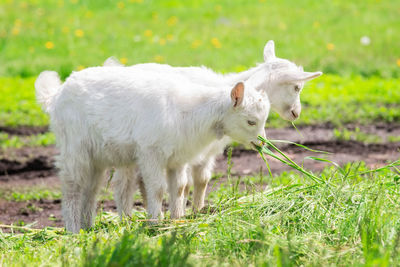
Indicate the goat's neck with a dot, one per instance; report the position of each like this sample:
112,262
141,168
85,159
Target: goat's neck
260,79
233,78
203,124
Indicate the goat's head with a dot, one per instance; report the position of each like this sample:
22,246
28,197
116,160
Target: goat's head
246,118
286,80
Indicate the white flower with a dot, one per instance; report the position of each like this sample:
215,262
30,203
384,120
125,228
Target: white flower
365,40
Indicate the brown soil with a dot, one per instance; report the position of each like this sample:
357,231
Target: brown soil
24,130
31,167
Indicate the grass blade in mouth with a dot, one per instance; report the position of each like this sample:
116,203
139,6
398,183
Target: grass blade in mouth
284,159
300,145
289,162
297,130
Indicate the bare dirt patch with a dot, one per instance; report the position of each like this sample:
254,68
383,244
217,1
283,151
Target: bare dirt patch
44,212
28,167
24,130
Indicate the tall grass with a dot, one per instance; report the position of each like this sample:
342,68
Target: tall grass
293,221
226,35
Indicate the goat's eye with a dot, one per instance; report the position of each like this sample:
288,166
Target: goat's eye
251,123
297,88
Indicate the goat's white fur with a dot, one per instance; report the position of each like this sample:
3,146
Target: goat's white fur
277,77
126,117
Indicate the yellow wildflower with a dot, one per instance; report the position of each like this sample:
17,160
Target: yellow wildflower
17,23
162,41
216,43
79,33
49,45
172,21
316,24
89,14
398,62
121,5
170,37
80,67
123,60
196,43
159,58
15,31
148,33
330,46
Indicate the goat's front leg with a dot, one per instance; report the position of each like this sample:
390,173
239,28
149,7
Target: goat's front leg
152,169
201,174
125,182
177,180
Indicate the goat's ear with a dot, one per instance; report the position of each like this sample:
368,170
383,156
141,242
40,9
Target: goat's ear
299,76
237,94
112,62
269,51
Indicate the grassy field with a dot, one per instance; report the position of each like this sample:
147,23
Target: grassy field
350,219
67,35
330,98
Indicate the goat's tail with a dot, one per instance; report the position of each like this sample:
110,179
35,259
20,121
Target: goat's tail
112,62
46,86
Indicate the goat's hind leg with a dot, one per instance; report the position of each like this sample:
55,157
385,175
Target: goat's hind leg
80,184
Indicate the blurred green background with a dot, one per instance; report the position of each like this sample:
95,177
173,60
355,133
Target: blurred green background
355,43
341,37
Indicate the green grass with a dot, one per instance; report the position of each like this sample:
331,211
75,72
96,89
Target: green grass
13,141
291,222
328,99
321,35
31,194
339,100
357,135
19,107
352,221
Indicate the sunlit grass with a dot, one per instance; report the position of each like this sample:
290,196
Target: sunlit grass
64,35
14,141
294,221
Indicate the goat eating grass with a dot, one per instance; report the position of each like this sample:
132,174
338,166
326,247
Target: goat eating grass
279,78
132,118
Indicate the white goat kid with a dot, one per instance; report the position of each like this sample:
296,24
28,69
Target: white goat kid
281,79
122,116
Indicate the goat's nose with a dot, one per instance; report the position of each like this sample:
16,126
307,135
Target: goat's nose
294,113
